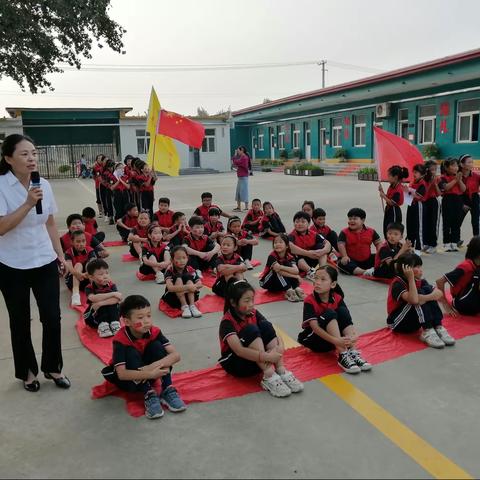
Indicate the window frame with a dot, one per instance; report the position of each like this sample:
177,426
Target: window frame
360,125
206,141
401,123
261,144
421,126
145,139
296,139
469,114
335,129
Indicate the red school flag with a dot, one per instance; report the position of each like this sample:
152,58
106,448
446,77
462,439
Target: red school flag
183,129
390,149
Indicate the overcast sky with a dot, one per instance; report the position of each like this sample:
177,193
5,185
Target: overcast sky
380,35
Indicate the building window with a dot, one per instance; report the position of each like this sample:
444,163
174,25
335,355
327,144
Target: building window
208,144
359,129
402,125
281,138
143,141
260,142
336,132
467,120
426,124
296,139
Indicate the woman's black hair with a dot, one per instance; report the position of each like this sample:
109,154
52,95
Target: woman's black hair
285,238
231,237
446,164
8,148
398,171
333,274
409,260
473,248
244,150
234,292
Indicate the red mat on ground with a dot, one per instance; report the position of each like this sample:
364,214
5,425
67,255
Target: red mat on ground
386,281
127,257
114,243
214,384
145,278
209,279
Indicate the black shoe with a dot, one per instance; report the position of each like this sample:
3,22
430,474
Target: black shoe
32,387
62,382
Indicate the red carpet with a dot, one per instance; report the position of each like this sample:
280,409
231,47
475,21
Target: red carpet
126,257
114,243
387,281
145,278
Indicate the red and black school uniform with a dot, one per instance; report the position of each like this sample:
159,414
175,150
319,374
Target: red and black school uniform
120,196
431,209
97,175
147,183
78,257
452,210
415,214
188,274
165,220
326,233
404,317
135,183
135,353
276,282
220,285
247,329
91,227
393,213
472,200
148,250
179,238
108,179
308,240
130,222
202,244
251,217
202,211
386,252
464,283
245,251
66,241
322,312
216,227
142,232
358,244
271,222
107,313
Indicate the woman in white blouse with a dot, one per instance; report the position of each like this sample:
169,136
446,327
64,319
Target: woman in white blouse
29,254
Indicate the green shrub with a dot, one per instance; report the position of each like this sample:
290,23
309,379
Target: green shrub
431,150
340,153
297,153
64,168
367,170
284,154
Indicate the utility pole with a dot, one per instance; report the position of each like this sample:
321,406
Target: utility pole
323,63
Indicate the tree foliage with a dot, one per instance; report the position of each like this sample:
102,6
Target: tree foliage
202,112
37,35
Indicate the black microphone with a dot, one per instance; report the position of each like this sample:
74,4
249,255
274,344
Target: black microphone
35,182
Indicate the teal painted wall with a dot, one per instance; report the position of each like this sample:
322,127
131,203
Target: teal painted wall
72,135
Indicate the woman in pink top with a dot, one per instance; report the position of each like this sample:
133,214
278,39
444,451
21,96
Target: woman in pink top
241,163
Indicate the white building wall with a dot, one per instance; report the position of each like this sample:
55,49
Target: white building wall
9,126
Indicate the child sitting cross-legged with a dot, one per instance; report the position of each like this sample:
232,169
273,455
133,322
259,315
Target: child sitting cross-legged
178,231
252,219
319,226
245,241
413,303
128,221
182,284
155,254
214,227
138,234
164,216
270,224
91,225
281,272
142,355
327,323
249,344
75,224
103,299
229,265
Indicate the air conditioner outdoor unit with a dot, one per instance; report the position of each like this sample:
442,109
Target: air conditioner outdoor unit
382,110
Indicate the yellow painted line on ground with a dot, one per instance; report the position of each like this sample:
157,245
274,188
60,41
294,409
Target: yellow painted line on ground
434,462
287,340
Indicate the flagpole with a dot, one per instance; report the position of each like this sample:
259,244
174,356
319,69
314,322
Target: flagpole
375,158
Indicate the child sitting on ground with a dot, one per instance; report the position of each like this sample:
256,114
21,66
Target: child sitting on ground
249,344
76,259
201,250
354,245
182,284
91,225
214,227
178,231
164,216
413,303
138,234
245,241
389,251
464,282
310,248
281,272
142,355
252,219
327,323
103,299
308,207
202,210
319,226
271,224
128,221
74,224
229,265
155,254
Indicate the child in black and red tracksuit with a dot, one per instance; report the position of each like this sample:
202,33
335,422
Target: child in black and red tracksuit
271,224
431,208
418,187
214,227
147,180
202,210
141,356
164,216
327,323
452,187
471,197
155,254
252,219
178,231
464,281
281,273
108,180
202,251
76,259
91,225
120,191
97,175
394,196
103,300
229,265
319,226
139,234
74,224
355,245
129,221
245,240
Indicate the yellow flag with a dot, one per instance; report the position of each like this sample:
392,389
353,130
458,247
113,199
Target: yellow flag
162,153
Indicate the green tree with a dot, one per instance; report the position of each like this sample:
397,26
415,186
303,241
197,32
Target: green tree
36,35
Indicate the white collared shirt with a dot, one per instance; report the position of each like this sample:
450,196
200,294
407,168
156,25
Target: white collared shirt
28,245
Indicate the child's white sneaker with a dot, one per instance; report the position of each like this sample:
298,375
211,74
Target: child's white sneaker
431,338
311,275
431,250
248,265
159,277
274,386
186,313
300,294
199,274
445,336
291,296
104,330
76,301
333,257
115,327
195,311
289,379
369,272
453,247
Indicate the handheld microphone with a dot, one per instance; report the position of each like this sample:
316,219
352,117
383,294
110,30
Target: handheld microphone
35,182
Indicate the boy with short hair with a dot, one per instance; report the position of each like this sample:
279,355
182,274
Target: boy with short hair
271,224
252,219
354,245
103,300
74,224
142,355
214,227
128,221
76,258
91,225
311,248
319,226
164,216
178,231
202,210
